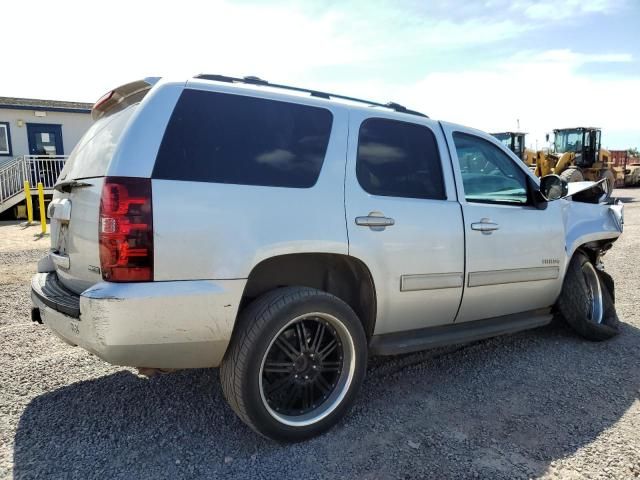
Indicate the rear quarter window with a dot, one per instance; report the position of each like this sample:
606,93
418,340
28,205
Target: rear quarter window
235,139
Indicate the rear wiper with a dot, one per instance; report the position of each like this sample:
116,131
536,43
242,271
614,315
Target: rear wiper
70,185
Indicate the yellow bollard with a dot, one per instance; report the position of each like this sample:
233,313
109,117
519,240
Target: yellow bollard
27,194
43,214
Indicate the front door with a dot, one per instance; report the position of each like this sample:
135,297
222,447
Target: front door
45,139
403,219
514,251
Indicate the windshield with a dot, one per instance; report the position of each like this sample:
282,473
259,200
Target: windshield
505,139
568,141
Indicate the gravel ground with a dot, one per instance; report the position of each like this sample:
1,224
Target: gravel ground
542,403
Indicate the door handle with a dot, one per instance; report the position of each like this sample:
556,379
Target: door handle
485,226
374,219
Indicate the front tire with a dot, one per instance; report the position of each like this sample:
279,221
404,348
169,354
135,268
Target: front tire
572,174
586,303
608,184
295,363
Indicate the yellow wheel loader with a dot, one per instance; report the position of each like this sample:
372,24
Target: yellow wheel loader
576,156
514,141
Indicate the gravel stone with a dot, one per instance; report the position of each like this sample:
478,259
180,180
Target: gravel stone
537,404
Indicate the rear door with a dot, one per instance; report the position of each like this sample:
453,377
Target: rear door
403,219
514,251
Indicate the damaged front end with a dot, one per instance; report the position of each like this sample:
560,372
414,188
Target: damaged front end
593,222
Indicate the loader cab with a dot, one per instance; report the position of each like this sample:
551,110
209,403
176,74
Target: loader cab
514,141
583,141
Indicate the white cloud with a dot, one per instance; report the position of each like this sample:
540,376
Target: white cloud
78,50
541,10
544,91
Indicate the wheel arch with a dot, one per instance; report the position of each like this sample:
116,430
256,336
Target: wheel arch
344,276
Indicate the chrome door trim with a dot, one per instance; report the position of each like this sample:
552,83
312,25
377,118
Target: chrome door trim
375,221
485,226
498,277
434,281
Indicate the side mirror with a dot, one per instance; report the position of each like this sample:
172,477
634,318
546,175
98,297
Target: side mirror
546,137
552,187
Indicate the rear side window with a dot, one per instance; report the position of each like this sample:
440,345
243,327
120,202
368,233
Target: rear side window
399,159
222,138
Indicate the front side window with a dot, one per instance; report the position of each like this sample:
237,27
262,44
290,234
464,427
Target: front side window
5,142
488,174
222,138
399,159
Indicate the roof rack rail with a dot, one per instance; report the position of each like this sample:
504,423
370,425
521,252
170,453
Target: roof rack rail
252,80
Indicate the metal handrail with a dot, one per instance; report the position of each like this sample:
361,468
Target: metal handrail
34,168
43,168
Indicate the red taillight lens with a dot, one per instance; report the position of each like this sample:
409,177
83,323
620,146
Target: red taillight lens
126,230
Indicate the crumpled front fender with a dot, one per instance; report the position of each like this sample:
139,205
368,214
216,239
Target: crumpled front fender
588,222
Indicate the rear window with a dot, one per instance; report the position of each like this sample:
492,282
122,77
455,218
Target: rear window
94,151
222,138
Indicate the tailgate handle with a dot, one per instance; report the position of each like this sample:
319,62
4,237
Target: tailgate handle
60,209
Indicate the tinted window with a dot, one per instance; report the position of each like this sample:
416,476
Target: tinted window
489,174
216,137
399,159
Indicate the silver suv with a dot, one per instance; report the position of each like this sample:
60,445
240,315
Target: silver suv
286,234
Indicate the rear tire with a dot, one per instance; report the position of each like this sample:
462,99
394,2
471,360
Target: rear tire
295,363
586,302
572,175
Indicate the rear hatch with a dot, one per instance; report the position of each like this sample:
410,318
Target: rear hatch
74,210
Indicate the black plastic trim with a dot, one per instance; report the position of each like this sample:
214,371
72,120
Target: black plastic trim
251,80
456,333
47,288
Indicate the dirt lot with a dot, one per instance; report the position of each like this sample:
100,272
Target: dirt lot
542,403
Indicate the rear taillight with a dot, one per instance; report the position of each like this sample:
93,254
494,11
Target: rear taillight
126,230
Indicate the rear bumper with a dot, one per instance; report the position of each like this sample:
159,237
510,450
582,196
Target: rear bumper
184,324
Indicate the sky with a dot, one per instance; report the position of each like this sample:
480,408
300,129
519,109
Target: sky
488,64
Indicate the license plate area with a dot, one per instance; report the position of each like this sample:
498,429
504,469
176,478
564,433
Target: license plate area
60,214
